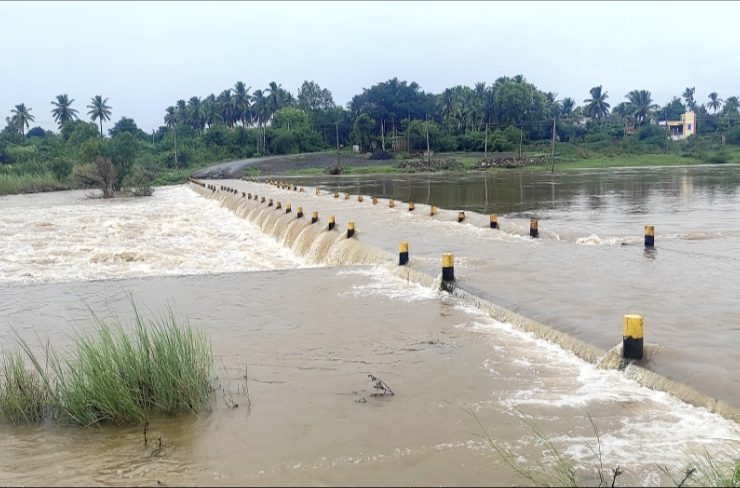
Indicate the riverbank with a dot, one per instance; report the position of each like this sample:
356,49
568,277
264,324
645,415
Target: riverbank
568,158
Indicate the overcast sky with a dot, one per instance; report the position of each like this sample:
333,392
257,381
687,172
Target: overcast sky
144,56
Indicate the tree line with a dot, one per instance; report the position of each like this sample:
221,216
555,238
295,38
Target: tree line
391,116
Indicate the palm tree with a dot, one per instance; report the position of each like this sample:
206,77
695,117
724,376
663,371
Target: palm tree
181,111
210,110
568,105
242,101
195,113
170,117
99,110
714,102
22,118
226,108
688,95
732,104
63,111
596,105
641,104
261,111
274,98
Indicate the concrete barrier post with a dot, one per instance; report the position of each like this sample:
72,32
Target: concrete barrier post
632,337
403,253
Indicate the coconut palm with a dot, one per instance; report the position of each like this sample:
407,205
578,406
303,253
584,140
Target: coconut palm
22,118
99,110
170,117
63,111
596,105
274,98
181,111
568,105
226,108
242,101
715,103
688,95
210,110
195,113
641,104
261,113
731,106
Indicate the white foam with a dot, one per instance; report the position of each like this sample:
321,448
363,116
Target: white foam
174,232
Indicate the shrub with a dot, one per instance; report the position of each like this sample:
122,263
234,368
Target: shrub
379,154
138,182
115,375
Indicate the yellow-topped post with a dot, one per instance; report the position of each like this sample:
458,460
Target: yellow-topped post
632,336
314,217
494,222
375,200
287,208
350,229
433,211
411,206
460,216
331,224
649,236
403,253
448,271
391,203
534,226
299,212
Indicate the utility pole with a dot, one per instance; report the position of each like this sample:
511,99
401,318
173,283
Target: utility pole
408,137
429,154
521,139
339,166
382,134
554,121
485,144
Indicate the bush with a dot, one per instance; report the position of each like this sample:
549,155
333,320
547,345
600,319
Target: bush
114,375
138,182
719,157
61,168
379,154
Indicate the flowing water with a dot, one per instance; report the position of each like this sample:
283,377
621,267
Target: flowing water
307,333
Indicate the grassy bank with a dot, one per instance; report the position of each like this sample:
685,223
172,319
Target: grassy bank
569,159
113,375
11,184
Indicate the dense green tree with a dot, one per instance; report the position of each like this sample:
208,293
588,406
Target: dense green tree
36,132
63,111
99,110
291,118
124,147
672,110
127,125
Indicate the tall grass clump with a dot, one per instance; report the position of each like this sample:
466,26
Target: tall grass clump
23,396
124,375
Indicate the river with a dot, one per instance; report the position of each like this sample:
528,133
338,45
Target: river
308,315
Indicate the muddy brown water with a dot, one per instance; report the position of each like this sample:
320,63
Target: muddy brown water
308,335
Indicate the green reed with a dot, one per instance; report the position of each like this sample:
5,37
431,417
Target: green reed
116,374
